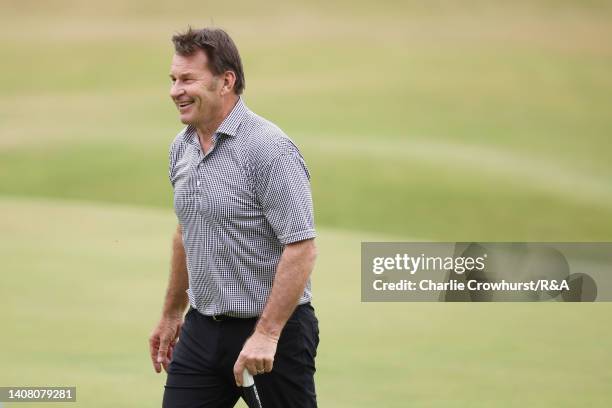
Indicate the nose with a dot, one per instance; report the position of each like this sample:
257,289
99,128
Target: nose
176,90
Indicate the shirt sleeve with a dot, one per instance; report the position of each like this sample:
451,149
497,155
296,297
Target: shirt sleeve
283,189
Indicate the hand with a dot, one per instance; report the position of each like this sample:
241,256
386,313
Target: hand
257,355
162,341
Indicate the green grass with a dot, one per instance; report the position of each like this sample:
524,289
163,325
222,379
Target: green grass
418,120
83,287
429,190
89,118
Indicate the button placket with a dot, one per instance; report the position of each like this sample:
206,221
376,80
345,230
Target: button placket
200,184
201,174
198,178
197,164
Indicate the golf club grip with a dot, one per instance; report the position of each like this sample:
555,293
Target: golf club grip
250,391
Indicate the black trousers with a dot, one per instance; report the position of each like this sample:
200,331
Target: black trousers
200,374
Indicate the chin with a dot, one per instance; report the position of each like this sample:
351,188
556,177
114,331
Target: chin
186,120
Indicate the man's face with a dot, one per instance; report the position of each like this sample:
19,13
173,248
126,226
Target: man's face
195,90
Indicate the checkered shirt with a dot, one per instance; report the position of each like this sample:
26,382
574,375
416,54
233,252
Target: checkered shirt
238,205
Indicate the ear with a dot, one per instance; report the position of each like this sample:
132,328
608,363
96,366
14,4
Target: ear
229,80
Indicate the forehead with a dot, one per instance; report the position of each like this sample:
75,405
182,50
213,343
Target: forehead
196,62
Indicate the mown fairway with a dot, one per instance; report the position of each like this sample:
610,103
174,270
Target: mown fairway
474,122
84,284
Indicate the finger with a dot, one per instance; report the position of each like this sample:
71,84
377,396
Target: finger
166,364
268,364
250,365
238,369
153,349
259,367
163,349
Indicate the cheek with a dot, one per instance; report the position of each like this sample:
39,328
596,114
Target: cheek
205,100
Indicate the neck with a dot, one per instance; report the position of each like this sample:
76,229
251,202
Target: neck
207,129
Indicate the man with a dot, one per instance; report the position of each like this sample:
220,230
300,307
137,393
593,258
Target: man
244,248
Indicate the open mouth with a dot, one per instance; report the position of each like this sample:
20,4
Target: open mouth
184,104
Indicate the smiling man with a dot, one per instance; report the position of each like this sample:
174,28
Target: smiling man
244,247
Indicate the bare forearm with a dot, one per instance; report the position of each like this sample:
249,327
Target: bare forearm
176,296
292,273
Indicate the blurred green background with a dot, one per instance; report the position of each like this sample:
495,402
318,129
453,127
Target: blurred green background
443,121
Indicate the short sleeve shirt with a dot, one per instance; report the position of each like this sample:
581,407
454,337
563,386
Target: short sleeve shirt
238,205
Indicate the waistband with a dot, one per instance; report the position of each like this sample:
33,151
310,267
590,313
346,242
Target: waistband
224,317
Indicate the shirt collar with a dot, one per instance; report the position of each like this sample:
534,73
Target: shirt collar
230,124
228,127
